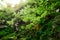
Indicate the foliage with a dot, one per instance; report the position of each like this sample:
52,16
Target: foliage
39,20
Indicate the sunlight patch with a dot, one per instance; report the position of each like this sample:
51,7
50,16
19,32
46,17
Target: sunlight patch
13,2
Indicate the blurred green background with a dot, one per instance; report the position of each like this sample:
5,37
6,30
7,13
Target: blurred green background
32,20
